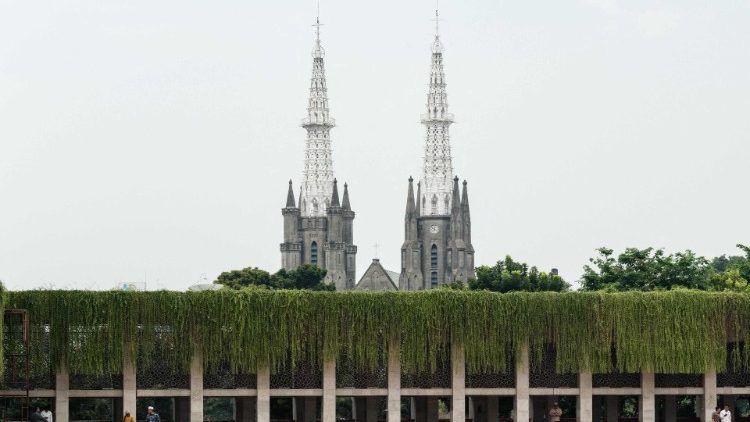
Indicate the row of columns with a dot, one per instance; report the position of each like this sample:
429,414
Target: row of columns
522,402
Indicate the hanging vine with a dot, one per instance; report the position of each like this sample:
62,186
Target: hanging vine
671,332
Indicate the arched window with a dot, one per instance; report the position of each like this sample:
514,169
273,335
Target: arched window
433,279
314,253
434,256
434,204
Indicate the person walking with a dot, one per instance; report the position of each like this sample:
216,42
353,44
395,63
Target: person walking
555,413
726,415
127,417
36,416
47,414
715,417
152,416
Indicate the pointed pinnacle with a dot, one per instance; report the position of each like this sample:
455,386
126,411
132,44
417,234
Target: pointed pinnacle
290,196
410,198
335,197
345,202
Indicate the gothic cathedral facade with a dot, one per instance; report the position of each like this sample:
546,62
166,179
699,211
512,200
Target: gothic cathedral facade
437,247
318,229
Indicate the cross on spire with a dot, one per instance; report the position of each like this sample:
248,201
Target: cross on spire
437,23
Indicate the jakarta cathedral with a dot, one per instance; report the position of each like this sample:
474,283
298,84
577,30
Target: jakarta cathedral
318,224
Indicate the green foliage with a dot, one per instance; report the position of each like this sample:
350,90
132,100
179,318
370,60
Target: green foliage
673,332
303,277
238,279
652,269
511,276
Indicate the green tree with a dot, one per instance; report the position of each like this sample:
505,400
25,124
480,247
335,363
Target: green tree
508,276
652,269
238,279
303,277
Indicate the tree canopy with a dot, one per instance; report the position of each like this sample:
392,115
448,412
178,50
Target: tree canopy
309,277
510,276
652,269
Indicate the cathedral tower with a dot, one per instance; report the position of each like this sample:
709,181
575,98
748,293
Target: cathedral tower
318,229
437,247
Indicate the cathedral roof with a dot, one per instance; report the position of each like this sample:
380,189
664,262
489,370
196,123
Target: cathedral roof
378,278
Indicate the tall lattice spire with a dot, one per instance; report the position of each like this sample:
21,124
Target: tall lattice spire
437,166
317,183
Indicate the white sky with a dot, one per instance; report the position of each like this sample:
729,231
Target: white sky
154,139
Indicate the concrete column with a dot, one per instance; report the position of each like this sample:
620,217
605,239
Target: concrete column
613,411
493,408
394,381
521,403
585,397
329,391
710,398
62,402
372,409
458,364
129,385
670,408
196,387
647,404
263,401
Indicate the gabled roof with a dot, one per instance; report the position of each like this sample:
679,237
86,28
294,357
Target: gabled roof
378,278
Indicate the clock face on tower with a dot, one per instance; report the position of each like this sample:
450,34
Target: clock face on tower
434,228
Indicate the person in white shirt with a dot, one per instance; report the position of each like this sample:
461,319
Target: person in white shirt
47,415
726,415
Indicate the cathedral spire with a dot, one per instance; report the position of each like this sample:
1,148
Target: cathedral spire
437,165
317,180
290,196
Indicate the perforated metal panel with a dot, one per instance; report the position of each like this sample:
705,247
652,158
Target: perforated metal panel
349,375
160,371
678,380
223,377
441,378
543,375
494,380
304,375
617,380
737,373
42,373
96,382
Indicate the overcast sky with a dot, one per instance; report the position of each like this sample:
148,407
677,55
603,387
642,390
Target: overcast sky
154,139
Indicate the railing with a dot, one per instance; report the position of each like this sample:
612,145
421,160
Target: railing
430,117
307,121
